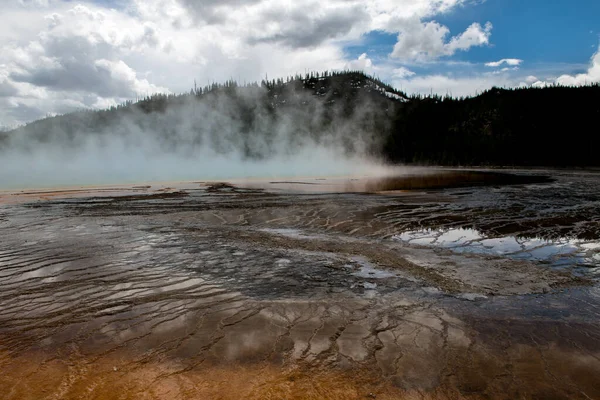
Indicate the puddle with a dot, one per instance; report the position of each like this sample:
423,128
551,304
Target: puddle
472,296
294,233
368,270
562,252
291,233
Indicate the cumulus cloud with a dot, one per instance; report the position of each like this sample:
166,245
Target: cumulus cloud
531,79
75,61
514,62
474,35
7,87
34,3
402,73
477,81
297,29
362,63
71,55
420,41
457,86
591,76
460,83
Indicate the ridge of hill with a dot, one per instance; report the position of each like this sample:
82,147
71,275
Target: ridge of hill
351,111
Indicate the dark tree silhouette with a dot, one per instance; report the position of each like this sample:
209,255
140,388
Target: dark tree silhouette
552,126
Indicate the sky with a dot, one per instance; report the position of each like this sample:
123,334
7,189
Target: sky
57,56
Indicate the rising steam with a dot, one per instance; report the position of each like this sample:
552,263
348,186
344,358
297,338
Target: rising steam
232,133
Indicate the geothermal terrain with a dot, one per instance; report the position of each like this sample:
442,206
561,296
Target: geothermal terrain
356,281
421,284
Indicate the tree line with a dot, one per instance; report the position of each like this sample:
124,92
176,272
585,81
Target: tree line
550,126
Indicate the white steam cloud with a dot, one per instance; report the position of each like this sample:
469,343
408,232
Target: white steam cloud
246,132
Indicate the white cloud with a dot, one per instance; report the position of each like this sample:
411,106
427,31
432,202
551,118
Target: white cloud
362,63
514,62
402,72
420,41
73,55
451,85
121,74
474,35
478,81
592,75
59,55
531,79
391,15
34,3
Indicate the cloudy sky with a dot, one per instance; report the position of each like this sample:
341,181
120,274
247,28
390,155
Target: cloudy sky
61,55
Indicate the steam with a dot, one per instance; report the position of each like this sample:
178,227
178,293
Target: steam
117,162
238,132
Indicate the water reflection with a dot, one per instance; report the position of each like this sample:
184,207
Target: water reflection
561,252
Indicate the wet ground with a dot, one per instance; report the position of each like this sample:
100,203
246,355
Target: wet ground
388,288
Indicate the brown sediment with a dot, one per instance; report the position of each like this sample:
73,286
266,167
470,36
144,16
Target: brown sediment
396,181
228,292
293,183
282,352
118,194
219,187
417,179
17,197
147,196
66,192
448,272
165,380
448,179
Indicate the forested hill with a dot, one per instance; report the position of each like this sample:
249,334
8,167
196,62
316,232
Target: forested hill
553,126
345,110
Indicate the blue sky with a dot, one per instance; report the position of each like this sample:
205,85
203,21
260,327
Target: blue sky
551,37
61,55
535,30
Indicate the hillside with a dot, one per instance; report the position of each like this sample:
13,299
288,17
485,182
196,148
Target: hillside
348,109
554,126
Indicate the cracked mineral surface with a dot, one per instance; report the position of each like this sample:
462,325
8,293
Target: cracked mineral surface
314,288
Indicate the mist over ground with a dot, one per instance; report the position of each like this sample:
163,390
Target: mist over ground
121,164
338,123
222,132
